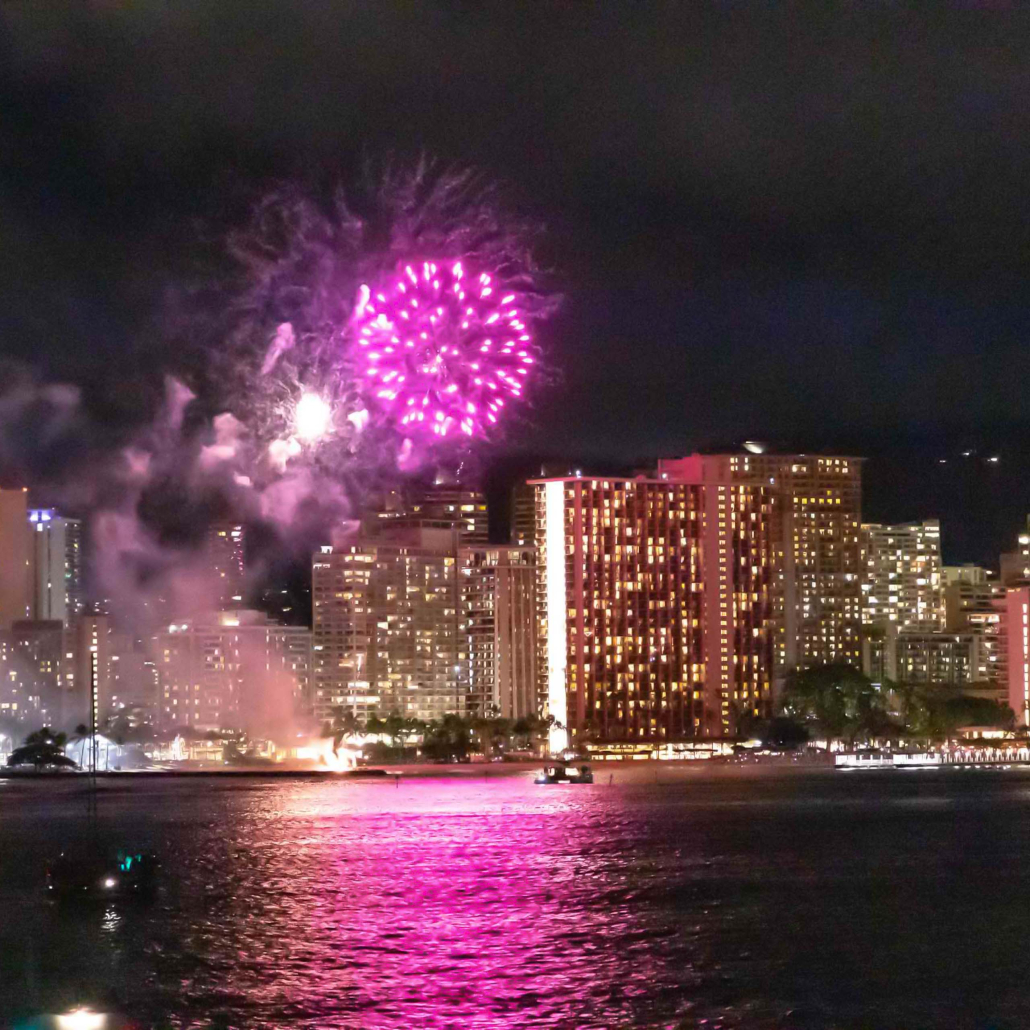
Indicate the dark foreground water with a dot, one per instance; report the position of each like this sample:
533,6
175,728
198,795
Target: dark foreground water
895,900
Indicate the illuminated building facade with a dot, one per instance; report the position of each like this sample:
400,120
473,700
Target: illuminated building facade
498,622
1013,653
439,507
1017,651
969,590
16,546
966,652
1015,565
32,664
56,565
91,668
817,553
902,584
948,659
443,506
655,623
224,545
523,516
135,690
387,626
974,602
231,670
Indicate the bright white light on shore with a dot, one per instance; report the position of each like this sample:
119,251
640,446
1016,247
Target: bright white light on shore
322,754
312,417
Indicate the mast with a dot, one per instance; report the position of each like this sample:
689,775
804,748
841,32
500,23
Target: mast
93,702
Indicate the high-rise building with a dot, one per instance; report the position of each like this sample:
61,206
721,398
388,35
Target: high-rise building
232,670
1015,565
342,617
498,622
902,584
1011,600
974,603
90,674
437,507
32,664
224,551
1016,642
16,547
963,651
56,565
969,591
387,626
466,509
657,601
816,514
929,657
134,686
523,516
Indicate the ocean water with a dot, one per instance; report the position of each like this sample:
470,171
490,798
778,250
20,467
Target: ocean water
824,899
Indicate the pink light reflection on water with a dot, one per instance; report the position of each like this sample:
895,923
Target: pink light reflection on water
438,903
442,902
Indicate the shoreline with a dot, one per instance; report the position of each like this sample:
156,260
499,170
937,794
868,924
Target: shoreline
645,769
627,771
616,771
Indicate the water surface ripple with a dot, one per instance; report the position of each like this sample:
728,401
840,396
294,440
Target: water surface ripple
820,900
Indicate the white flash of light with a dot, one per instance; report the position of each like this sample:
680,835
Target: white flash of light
312,418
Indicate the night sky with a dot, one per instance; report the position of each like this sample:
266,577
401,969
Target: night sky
799,223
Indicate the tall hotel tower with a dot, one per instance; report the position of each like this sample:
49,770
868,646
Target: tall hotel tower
655,606
817,545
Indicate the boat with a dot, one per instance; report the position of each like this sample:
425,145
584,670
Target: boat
92,875
97,872
565,772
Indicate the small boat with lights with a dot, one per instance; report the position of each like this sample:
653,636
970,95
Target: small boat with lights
95,871
565,772
91,875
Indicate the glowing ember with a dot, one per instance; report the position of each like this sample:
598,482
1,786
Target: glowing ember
442,349
313,417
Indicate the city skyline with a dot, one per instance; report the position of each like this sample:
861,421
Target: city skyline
937,623
514,514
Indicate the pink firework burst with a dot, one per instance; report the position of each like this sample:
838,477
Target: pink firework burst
443,350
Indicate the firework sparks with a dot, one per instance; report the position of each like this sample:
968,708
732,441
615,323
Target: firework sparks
443,348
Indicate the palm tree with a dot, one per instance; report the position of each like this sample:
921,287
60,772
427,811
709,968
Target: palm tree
42,748
500,733
47,736
482,730
344,723
394,727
